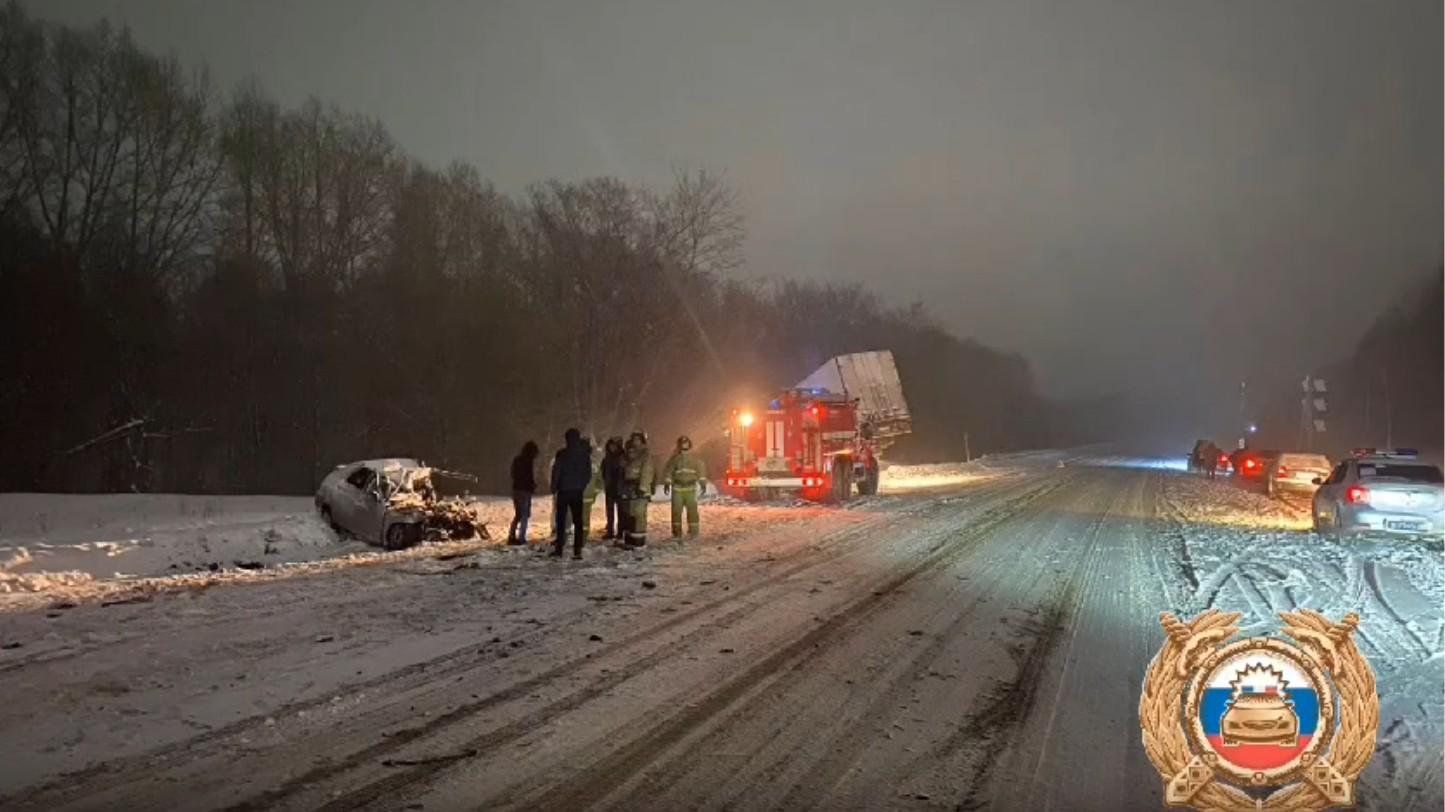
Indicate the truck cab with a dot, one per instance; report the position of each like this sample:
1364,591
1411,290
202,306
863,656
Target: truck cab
821,438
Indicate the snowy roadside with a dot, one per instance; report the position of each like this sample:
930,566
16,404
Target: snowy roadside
1241,551
122,547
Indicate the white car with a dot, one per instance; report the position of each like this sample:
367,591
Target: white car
356,498
1382,492
1295,471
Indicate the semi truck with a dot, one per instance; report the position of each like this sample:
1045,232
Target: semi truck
823,437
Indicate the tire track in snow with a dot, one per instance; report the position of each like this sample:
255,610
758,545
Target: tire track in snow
608,774
1003,720
437,672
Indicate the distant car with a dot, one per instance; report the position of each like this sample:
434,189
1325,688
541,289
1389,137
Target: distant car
356,498
1224,464
1295,471
1382,492
1250,465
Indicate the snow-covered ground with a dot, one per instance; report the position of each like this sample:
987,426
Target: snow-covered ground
974,637
78,547
106,547
119,535
1241,551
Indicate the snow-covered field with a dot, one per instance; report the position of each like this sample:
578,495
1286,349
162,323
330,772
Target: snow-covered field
972,638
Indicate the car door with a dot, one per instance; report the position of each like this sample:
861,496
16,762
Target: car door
1327,498
355,502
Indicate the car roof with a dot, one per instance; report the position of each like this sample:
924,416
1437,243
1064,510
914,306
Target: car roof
384,463
1393,461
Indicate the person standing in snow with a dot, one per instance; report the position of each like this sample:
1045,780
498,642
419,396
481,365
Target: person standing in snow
571,473
1211,460
638,484
559,514
524,485
683,478
613,464
594,485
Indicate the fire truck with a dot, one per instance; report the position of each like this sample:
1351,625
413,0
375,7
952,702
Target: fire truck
821,438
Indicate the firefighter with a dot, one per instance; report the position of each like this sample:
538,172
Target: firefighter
637,487
594,486
683,478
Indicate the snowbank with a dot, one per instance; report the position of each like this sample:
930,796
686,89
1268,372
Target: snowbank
129,535
118,547
896,478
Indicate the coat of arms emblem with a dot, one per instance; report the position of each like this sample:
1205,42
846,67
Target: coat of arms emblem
1261,722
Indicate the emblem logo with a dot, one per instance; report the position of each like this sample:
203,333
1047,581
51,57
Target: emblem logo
1262,722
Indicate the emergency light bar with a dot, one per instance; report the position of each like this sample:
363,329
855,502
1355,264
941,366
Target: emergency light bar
1392,453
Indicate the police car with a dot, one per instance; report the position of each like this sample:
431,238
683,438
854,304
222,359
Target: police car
1381,491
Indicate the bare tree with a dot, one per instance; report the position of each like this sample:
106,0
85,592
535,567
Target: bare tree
247,130
325,180
170,169
22,52
75,131
698,224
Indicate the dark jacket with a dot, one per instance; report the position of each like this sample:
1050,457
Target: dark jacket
524,477
613,465
572,467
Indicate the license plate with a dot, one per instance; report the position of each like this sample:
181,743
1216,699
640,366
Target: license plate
1401,525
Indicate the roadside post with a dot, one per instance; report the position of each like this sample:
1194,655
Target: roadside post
1312,409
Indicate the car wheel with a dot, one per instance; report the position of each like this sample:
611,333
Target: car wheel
395,538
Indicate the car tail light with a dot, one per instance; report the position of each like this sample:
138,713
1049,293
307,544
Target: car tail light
1250,463
1358,496
1283,472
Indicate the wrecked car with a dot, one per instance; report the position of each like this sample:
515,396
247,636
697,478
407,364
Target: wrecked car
394,502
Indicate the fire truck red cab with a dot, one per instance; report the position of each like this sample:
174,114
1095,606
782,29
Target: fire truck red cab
819,441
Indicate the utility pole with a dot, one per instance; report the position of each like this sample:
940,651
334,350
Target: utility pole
1243,412
1389,411
967,457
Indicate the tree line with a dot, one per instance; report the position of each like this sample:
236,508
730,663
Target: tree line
1387,391
211,292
